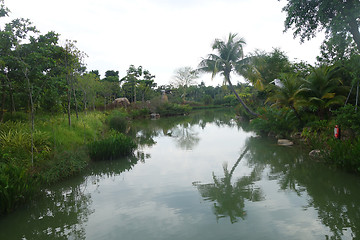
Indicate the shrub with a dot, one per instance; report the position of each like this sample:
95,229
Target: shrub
171,109
274,120
117,145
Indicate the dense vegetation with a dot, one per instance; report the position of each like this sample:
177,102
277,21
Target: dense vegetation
55,115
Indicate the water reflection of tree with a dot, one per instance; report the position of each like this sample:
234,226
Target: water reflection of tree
185,136
59,214
229,199
181,128
64,209
334,194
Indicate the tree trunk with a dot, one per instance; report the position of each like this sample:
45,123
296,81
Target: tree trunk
238,161
3,99
68,105
11,90
240,100
76,104
32,116
354,29
85,106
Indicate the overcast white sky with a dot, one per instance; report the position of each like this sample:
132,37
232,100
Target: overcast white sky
162,35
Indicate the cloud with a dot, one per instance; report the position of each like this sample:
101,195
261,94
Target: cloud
161,35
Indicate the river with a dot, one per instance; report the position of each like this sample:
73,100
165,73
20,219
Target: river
200,176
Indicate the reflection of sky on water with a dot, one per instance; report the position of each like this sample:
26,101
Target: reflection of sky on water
156,200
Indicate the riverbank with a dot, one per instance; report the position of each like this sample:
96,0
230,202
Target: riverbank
55,150
58,152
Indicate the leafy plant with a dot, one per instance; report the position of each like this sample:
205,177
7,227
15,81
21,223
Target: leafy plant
279,121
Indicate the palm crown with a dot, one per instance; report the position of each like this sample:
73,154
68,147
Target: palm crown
229,58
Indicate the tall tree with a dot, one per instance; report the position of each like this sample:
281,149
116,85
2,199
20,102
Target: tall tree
229,58
88,84
336,17
184,77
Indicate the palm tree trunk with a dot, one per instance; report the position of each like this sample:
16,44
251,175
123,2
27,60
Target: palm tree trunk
238,161
240,100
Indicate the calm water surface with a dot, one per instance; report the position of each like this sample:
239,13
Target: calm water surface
197,177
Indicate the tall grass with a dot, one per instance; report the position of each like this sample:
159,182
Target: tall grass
345,154
16,186
115,146
117,120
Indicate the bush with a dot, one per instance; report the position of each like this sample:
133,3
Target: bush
277,121
117,145
171,109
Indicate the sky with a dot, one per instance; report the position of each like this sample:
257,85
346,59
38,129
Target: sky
162,35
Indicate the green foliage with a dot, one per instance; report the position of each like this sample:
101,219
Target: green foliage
279,121
140,113
347,118
16,117
16,186
345,154
63,164
115,146
229,58
171,109
317,133
306,18
207,99
228,100
15,143
118,121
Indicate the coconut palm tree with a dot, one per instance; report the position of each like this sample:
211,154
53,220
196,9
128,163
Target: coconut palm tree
288,93
229,58
322,89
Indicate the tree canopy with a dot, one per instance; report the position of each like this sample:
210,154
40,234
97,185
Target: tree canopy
307,18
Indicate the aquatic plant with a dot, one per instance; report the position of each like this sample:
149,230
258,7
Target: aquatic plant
117,145
16,186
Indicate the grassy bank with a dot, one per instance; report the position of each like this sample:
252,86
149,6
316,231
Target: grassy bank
59,151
